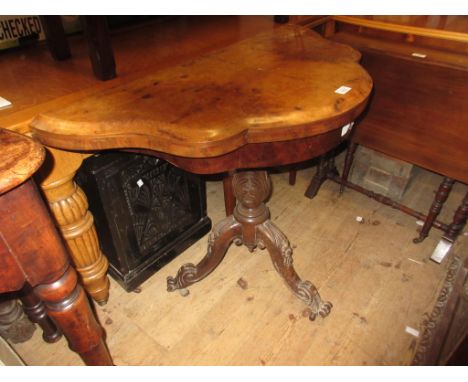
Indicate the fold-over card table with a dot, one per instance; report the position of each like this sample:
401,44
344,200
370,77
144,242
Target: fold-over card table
278,98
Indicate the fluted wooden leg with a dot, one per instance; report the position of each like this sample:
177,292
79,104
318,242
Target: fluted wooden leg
69,205
14,325
67,304
36,312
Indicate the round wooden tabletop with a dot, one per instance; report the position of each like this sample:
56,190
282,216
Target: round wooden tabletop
20,157
284,85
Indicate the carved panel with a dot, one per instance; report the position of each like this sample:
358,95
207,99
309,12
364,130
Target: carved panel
146,211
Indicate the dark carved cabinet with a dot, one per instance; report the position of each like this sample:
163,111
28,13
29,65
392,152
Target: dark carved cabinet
146,210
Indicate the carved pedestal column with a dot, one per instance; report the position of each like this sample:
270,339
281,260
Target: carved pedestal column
251,225
69,206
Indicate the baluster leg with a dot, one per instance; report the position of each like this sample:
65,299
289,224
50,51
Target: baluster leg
36,312
459,220
441,196
67,304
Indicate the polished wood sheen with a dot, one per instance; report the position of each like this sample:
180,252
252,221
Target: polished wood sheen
45,85
417,114
277,86
32,255
265,101
19,159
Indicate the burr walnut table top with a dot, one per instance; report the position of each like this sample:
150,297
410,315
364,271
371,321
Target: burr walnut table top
275,87
20,157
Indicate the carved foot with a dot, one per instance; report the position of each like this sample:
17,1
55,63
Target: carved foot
280,251
219,240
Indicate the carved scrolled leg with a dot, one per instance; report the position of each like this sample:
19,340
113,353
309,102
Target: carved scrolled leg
439,200
67,304
69,205
250,225
271,238
14,325
36,312
252,188
219,241
352,146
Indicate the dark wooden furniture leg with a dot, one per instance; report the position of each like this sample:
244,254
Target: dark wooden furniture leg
459,221
55,37
229,198
99,46
292,177
36,312
34,253
251,225
441,196
14,325
325,167
347,164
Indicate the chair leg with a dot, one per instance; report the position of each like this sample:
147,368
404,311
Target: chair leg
99,47
55,36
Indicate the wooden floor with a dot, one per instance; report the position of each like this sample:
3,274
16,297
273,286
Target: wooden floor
378,280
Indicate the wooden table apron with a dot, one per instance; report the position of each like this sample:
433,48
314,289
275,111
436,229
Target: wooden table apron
265,101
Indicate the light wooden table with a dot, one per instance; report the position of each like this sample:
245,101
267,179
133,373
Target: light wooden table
278,98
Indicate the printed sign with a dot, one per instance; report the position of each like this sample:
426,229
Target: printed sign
17,27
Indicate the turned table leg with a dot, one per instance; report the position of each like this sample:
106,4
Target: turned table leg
439,200
34,246
36,312
14,325
67,304
251,225
453,230
459,220
69,206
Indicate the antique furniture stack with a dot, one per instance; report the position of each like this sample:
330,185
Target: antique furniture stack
32,254
419,65
269,100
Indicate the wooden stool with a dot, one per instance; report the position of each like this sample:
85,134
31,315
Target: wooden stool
31,250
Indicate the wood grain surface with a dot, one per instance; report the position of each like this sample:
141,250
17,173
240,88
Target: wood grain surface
277,86
20,157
